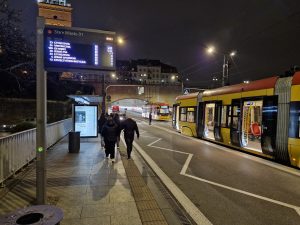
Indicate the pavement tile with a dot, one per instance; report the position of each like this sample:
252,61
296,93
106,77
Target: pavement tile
161,222
72,212
103,220
121,196
125,220
97,210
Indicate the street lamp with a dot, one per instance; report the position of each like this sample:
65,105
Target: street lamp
120,41
225,76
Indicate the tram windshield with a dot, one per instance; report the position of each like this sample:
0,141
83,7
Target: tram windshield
164,110
251,125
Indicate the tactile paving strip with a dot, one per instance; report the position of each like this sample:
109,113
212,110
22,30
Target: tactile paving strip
148,209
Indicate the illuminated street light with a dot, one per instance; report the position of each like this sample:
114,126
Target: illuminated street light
225,76
113,75
173,77
233,53
246,81
120,41
210,50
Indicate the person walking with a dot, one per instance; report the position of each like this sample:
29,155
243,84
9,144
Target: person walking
129,126
110,133
150,118
116,119
102,120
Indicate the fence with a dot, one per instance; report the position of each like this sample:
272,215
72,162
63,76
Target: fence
18,149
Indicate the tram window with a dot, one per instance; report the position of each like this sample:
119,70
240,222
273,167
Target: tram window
236,111
294,131
229,116
191,114
183,114
224,116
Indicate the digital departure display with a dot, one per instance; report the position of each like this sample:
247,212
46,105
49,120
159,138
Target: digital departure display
76,48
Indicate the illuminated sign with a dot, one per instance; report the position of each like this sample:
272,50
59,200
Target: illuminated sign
75,48
85,120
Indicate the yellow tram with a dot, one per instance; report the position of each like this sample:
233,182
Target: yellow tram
261,117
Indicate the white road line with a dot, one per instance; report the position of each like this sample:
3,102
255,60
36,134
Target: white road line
154,142
170,150
149,136
246,193
244,155
185,167
186,164
186,203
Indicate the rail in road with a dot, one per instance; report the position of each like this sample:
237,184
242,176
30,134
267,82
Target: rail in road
217,185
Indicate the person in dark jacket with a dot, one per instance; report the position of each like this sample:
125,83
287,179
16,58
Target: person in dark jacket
110,133
102,120
116,119
150,118
129,126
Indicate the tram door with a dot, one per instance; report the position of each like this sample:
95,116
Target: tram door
200,120
217,122
269,124
235,127
209,120
175,115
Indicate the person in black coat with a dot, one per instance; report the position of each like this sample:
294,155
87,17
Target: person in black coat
110,133
116,119
129,126
102,120
150,118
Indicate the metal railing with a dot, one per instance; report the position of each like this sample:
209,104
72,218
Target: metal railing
17,150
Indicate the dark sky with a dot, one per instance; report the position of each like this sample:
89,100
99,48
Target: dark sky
265,33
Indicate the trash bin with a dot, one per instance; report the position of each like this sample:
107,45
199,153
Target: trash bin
74,141
38,214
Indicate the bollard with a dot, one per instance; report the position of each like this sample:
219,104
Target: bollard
39,214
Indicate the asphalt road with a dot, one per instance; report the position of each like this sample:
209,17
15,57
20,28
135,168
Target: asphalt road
228,187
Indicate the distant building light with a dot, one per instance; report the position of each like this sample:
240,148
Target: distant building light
109,38
246,81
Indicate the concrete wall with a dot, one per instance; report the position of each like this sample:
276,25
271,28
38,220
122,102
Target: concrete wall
13,110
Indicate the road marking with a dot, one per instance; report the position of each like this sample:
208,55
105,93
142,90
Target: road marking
186,164
186,203
185,167
154,141
244,155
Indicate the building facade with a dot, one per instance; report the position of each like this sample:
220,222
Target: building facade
146,71
56,12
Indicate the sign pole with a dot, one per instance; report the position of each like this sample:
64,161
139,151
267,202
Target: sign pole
41,114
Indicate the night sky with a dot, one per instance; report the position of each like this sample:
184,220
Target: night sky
265,33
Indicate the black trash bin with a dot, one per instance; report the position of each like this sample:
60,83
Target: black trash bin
38,214
74,141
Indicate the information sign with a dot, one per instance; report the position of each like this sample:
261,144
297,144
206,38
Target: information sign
85,120
76,48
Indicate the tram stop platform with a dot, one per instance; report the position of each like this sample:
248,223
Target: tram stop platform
90,189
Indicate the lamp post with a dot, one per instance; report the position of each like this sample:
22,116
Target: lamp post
225,73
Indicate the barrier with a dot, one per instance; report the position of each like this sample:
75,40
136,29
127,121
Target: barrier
17,150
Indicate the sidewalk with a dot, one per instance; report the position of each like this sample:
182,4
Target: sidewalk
89,188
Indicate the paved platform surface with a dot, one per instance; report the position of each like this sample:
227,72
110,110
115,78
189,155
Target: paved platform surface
88,188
